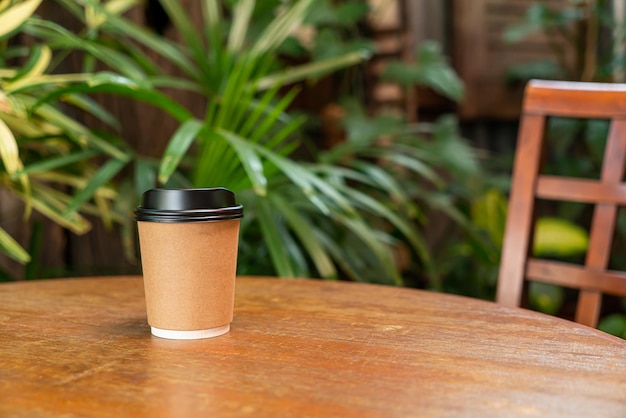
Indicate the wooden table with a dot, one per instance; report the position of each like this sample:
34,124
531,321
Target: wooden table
82,347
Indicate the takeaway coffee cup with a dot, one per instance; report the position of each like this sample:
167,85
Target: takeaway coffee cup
188,240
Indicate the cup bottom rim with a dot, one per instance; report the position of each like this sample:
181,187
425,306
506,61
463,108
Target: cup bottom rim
189,335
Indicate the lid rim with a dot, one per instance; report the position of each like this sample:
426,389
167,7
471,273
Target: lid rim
188,205
188,212
186,220
194,215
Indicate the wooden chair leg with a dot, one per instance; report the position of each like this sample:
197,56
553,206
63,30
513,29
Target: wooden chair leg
588,309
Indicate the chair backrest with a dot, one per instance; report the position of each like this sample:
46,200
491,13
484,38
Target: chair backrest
544,99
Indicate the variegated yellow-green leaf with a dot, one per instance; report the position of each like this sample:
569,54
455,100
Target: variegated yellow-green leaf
8,106
20,125
51,203
78,182
10,247
7,73
4,4
13,17
96,17
9,152
117,7
43,79
37,63
10,157
92,17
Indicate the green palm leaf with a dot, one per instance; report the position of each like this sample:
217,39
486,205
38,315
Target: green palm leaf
249,159
177,147
241,20
305,230
273,238
186,28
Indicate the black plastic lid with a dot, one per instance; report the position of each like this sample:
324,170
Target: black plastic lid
188,205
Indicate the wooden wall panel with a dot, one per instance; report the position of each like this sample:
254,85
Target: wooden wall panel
482,57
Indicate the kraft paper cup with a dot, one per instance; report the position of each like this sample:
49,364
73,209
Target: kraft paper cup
188,240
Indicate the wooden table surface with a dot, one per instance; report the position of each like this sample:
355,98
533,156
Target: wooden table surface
82,347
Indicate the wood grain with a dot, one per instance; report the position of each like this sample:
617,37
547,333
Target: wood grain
82,347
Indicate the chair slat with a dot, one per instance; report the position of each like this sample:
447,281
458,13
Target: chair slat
576,276
518,235
575,99
615,152
580,190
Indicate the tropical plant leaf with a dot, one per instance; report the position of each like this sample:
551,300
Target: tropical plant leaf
36,81
177,147
211,10
121,86
337,253
102,176
249,159
546,298
372,239
145,175
59,37
12,248
51,203
94,17
10,157
451,149
272,237
36,65
54,163
312,70
13,17
362,129
242,13
173,82
373,206
183,24
9,151
279,28
305,231
614,324
93,108
383,181
308,182
559,237
419,167
4,4
489,213
162,46
431,70
79,133
105,212
74,181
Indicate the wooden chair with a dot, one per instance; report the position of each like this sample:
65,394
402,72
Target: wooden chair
544,99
